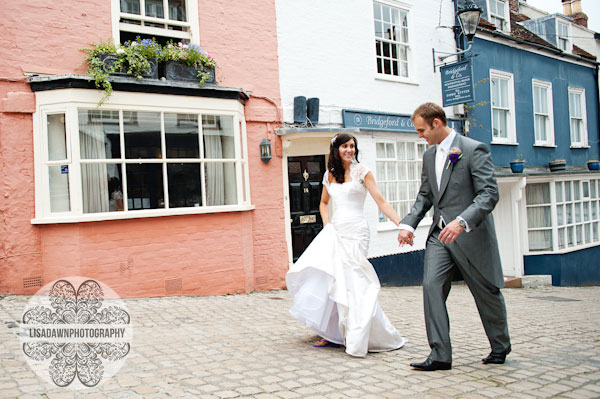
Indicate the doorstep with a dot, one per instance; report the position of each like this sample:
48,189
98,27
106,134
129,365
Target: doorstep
531,281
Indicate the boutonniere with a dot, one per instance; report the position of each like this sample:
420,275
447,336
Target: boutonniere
454,155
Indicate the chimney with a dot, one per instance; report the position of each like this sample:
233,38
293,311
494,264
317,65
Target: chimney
566,7
572,8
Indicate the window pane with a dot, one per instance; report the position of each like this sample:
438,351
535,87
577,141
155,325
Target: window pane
586,211
142,140
586,189
539,217
377,10
380,166
380,150
579,234
217,133
559,192
561,238
181,135
101,188
593,189
184,185
576,190
568,191
560,211
99,134
154,8
145,186
538,193
595,231
588,233
221,186
569,209
58,176
577,212
57,144
177,10
540,240
130,6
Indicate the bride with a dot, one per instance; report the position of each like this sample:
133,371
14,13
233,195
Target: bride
333,286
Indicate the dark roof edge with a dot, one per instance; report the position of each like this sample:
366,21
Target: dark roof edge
75,81
521,41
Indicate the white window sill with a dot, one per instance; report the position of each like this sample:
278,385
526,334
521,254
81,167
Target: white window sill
389,78
545,145
503,143
97,217
563,251
580,147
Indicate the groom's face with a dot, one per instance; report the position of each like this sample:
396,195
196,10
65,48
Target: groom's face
433,133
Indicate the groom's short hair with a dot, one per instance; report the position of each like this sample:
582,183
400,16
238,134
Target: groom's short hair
430,111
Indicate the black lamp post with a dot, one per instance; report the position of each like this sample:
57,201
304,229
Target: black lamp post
468,18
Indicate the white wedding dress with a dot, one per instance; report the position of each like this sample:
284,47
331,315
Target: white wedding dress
333,286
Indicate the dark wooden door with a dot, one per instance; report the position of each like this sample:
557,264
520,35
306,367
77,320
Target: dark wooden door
305,175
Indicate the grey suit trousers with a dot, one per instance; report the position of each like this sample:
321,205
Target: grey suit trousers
440,259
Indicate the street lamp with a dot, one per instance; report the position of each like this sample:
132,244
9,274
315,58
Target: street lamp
468,17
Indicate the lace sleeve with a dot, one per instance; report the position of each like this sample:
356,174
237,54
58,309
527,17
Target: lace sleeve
326,179
359,172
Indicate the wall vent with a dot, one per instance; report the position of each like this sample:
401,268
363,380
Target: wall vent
173,284
31,282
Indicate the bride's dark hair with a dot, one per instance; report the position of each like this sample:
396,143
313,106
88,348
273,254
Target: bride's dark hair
334,165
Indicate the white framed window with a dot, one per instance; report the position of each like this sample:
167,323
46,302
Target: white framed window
563,215
543,115
392,47
136,157
165,20
502,94
563,36
578,117
499,16
398,173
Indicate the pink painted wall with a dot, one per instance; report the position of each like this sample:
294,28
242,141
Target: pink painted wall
211,254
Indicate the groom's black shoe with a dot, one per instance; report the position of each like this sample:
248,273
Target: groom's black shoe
496,357
431,365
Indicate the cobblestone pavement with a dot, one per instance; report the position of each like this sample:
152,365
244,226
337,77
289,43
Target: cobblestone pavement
248,346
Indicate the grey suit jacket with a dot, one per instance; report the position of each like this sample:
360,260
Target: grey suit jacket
469,190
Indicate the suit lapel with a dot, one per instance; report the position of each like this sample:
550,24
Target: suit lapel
447,171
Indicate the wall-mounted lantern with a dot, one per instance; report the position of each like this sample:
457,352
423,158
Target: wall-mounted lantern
468,17
265,150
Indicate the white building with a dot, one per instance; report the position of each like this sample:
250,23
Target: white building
355,56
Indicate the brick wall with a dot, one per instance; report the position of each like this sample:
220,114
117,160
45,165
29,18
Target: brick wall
178,255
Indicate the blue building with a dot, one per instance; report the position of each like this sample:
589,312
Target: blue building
536,99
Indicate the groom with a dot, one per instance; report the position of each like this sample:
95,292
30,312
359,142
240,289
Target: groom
458,182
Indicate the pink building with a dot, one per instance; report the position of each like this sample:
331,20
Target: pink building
159,191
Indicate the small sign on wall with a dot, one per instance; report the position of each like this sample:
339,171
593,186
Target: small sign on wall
457,83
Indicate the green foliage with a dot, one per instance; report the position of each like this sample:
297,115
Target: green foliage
134,57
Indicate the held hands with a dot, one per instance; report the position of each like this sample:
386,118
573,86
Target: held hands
450,232
405,237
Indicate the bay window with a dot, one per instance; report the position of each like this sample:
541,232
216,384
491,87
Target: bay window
129,160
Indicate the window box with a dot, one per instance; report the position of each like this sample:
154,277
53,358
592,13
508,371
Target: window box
556,165
593,165
109,61
517,166
174,70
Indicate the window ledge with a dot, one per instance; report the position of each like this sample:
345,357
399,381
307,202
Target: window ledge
563,251
158,86
503,143
387,78
545,145
98,217
580,147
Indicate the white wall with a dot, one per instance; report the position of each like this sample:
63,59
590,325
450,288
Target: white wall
327,50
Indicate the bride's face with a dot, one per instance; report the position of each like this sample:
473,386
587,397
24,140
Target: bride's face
347,151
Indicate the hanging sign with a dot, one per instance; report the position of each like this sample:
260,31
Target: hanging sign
372,121
457,83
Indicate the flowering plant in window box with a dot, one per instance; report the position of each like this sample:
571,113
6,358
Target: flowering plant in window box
187,62
137,58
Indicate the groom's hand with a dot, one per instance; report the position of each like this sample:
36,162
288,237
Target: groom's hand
450,232
405,237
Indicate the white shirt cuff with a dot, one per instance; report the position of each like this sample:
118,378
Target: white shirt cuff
467,229
406,227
